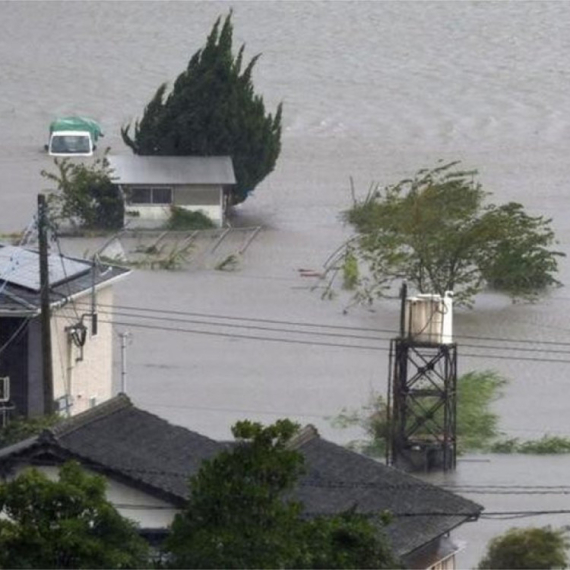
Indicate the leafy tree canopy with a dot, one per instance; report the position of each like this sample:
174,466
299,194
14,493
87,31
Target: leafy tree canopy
212,110
85,196
527,548
240,513
65,524
436,231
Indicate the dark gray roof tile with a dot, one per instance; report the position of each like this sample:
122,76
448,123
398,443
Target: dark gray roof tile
338,479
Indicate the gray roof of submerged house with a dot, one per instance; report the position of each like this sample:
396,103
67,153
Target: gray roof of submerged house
68,277
122,441
176,170
338,479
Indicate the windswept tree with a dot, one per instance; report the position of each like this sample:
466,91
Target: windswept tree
241,514
212,110
436,231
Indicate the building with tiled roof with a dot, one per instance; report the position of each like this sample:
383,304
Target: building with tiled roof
81,344
147,462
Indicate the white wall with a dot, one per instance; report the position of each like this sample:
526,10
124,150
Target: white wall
143,509
205,199
83,373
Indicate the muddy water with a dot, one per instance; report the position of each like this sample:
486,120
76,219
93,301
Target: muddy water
370,90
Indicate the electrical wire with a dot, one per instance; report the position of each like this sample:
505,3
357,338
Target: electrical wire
392,332
314,343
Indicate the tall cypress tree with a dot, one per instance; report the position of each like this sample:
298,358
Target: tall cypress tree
213,110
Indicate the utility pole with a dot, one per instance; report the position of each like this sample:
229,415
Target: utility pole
124,336
47,367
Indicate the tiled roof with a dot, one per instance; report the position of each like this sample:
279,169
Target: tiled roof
120,439
338,479
17,300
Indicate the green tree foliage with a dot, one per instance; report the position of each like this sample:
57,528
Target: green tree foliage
212,110
436,231
85,195
348,540
527,548
240,513
65,524
477,425
21,428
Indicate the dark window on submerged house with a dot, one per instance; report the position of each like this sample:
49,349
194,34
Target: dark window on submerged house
150,195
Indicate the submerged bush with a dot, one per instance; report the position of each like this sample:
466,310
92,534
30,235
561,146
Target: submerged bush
477,425
547,444
182,219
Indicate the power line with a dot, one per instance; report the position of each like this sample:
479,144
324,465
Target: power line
391,332
316,343
317,333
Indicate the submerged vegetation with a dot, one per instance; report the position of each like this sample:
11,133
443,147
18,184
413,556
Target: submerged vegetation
182,219
547,444
477,424
439,231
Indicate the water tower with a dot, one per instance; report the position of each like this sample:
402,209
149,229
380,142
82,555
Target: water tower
422,388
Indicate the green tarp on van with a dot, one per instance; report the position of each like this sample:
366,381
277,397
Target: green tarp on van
77,124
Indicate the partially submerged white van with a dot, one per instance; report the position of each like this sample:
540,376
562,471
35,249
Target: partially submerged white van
73,136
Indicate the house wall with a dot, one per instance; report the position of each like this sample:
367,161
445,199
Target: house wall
206,198
143,509
84,375
19,333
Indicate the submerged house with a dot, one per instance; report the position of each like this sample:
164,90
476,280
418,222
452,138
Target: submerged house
147,461
152,185
81,344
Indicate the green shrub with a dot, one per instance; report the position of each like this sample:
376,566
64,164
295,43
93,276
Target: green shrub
182,219
85,197
547,444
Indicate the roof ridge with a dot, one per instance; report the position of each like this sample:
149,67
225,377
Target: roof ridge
119,402
303,436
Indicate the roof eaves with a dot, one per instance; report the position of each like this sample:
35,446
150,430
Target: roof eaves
18,447
460,520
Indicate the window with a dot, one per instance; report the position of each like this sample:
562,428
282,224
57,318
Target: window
150,195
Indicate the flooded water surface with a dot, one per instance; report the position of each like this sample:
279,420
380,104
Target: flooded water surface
373,91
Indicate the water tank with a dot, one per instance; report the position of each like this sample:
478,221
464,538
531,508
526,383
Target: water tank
429,318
